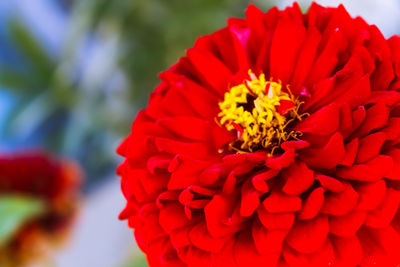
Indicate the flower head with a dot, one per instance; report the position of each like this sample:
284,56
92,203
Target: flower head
38,195
273,142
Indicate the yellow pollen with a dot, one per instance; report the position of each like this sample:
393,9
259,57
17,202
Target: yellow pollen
260,111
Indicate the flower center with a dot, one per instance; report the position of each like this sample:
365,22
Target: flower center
261,113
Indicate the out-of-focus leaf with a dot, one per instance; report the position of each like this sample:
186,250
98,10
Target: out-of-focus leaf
35,54
137,260
15,211
13,80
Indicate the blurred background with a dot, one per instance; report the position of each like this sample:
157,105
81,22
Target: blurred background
73,74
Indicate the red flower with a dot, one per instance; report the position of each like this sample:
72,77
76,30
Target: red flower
274,142
39,177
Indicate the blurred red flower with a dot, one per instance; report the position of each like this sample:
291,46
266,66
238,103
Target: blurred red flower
51,185
274,142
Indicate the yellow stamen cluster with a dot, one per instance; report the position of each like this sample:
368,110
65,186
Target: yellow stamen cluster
251,108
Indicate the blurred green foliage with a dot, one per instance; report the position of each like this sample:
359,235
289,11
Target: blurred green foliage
136,260
81,103
16,211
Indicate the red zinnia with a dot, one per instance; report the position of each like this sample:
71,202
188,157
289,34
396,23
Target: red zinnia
39,178
274,142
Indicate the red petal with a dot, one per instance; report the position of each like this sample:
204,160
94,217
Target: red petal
220,209
351,153
348,250
267,241
172,216
285,106
288,38
312,204
245,253
370,146
392,129
328,156
282,161
158,162
298,178
383,75
339,204
371,170
394,172
200,238
280,203
275,221
376,117
371,194
323,122
180,237
189,127
330,183
210,69
347,225
250,199
309,235
306,57
322,257
384,213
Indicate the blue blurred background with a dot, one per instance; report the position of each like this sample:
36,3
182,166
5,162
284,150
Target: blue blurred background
74,73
